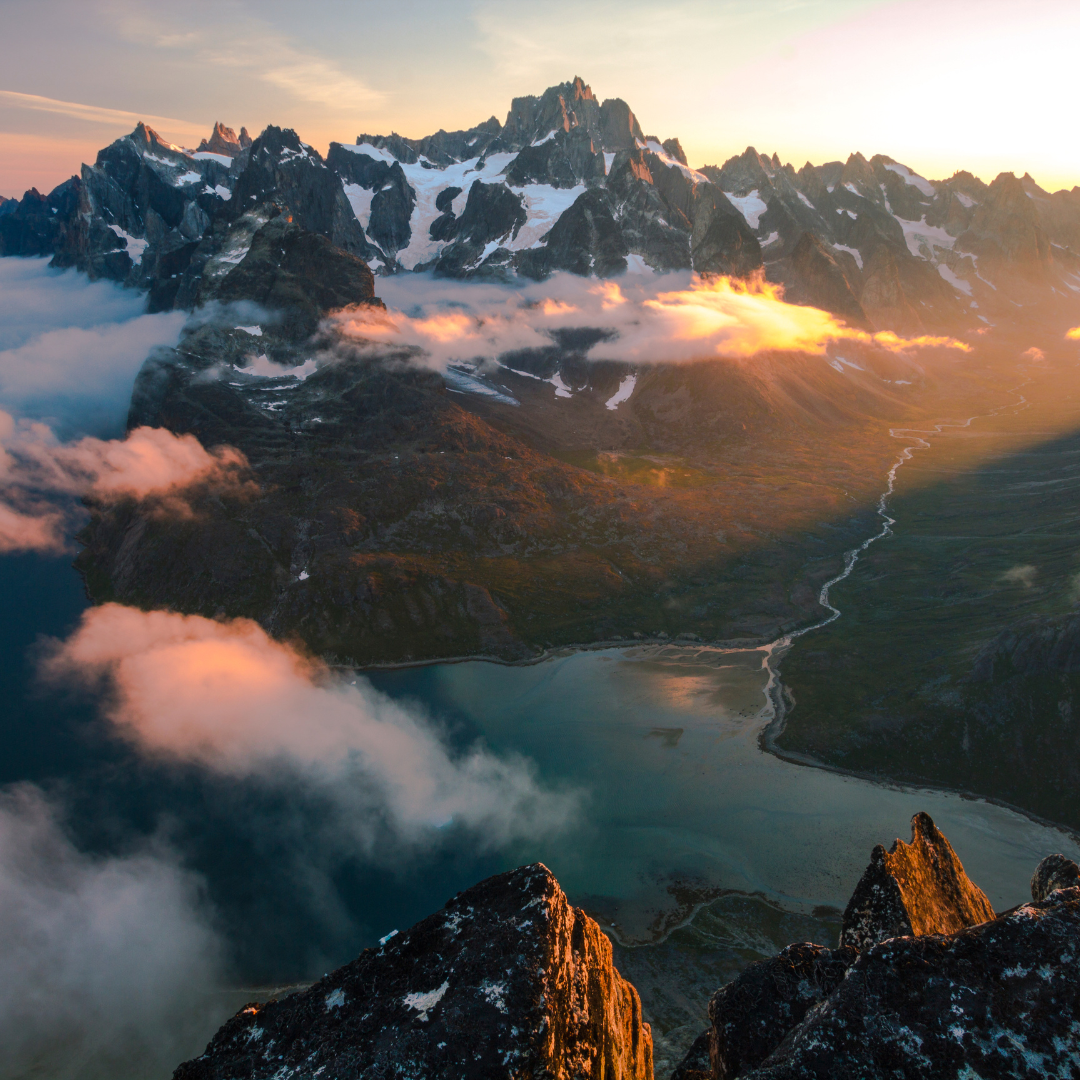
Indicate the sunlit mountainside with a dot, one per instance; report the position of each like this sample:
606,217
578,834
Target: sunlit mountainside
523,505
540,382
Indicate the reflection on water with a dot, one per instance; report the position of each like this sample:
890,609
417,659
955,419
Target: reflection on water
698,852
664,741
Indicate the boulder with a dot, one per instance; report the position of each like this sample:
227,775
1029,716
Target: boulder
695,1065
508,980
1054,872
1000,1000
913,889
750,1016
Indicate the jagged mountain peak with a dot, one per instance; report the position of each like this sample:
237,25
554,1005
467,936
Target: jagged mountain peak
146,139
223,140
568,183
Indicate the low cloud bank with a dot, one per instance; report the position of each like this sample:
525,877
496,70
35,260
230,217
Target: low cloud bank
227,697
104,961
150,463
70,347
667,318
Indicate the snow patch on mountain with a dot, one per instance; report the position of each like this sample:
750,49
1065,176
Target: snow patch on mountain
459,379
135,246
914,179
360,201
205,155
920,236
850,251
544,204
427,182
376,152
626,388
751,206
561,389
673,163
955,281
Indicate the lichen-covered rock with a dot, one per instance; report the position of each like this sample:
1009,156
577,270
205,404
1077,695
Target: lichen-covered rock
913,889
1054,872
998,1001
508,980
751,1015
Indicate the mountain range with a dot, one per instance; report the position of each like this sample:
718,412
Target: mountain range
569,183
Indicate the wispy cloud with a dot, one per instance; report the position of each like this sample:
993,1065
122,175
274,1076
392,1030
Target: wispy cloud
95,114
261,52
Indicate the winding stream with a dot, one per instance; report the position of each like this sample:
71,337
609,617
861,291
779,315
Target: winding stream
682,797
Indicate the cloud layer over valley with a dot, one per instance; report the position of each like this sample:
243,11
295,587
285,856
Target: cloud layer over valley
670,318
226,696
150,462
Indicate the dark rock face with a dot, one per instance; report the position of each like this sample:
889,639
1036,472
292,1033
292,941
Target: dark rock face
1006,231
695,1065
824,281
722,243
999,1000
391,208
508,980
492,213
280,167
567,159
619,129
1054,872
927,983
674,148
296,272
751,1016
559,108
586,239
1032,649
32,225
917,888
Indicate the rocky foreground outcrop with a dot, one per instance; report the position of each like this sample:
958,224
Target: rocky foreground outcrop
927,982
508,980
913,889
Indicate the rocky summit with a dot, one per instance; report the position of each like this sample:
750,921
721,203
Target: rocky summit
913,889
508,980
927,982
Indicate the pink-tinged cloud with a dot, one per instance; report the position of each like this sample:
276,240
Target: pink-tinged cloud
668,318
149,463
226,696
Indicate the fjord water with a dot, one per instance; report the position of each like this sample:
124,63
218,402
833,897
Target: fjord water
678,800
663,741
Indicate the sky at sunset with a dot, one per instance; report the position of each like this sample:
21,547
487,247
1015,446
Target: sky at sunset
981,85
